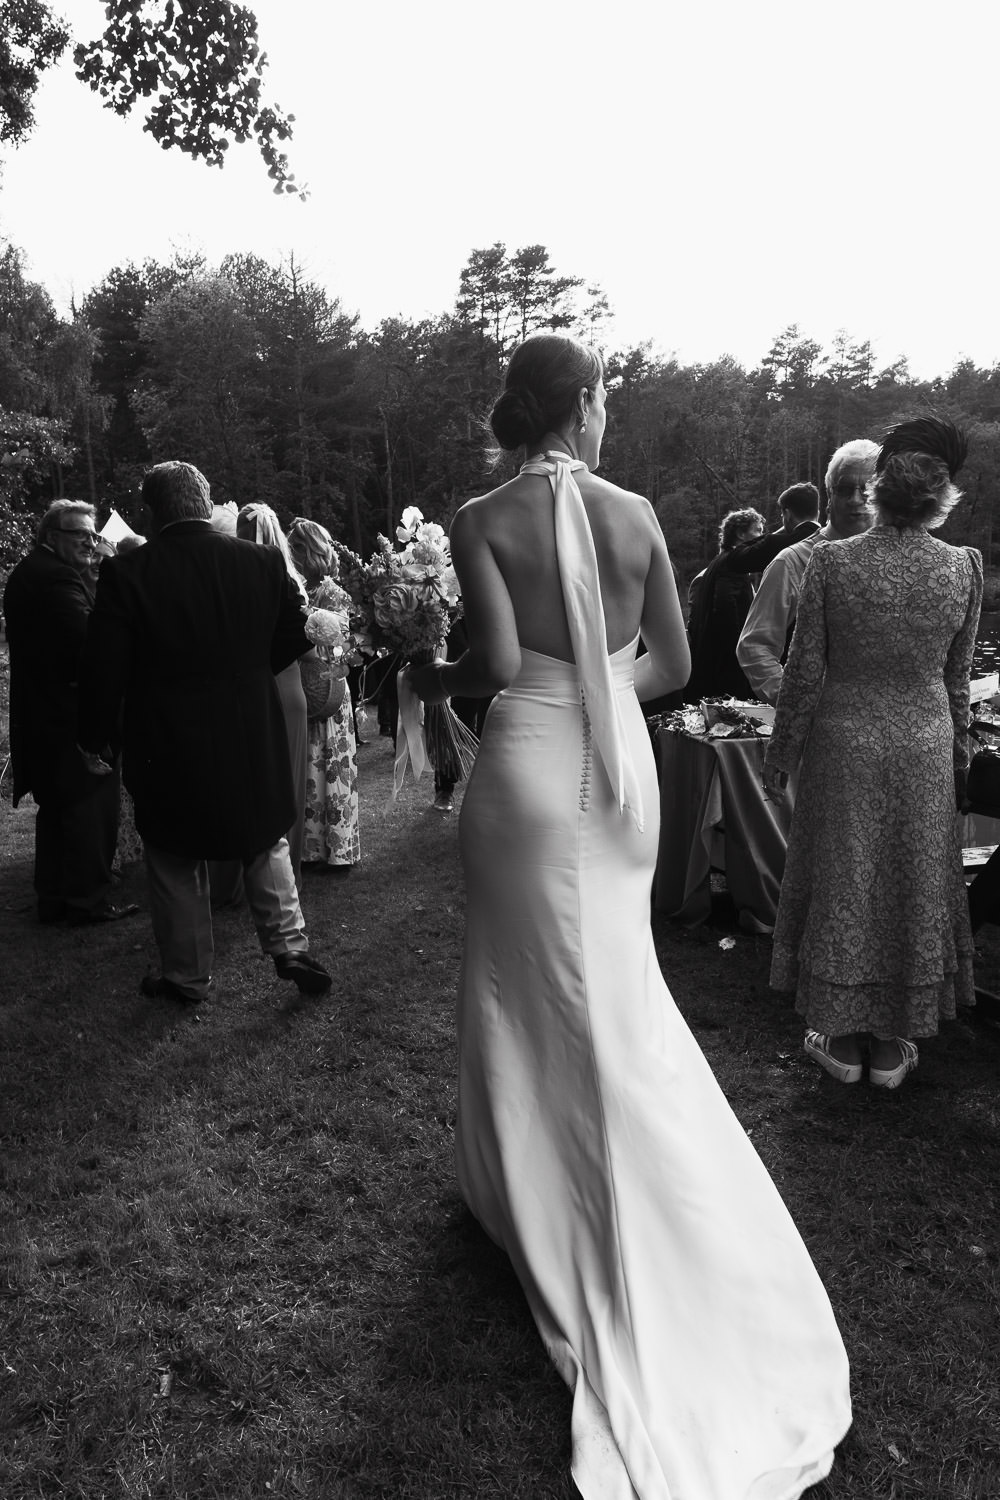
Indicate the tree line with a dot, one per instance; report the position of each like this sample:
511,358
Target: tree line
255,373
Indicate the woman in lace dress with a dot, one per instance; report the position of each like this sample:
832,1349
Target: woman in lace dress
667,1281
332,836
872,931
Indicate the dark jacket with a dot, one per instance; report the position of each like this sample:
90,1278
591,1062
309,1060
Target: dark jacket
45,607
187,632
753,557
718,614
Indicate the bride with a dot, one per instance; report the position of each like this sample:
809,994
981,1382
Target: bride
666,1278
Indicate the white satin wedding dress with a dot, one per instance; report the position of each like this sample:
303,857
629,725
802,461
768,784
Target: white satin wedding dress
665,1275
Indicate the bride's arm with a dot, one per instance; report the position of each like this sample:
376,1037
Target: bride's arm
668,663
493,659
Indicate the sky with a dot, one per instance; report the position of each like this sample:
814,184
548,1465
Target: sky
722,169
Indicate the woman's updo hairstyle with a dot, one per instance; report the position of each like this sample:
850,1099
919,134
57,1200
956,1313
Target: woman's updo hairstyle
543,379
914,470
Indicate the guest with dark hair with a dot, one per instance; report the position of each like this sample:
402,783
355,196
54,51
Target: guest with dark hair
799,507
719,602
872,931
186,636
47,604
764,640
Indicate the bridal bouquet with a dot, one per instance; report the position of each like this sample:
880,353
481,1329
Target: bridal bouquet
405,599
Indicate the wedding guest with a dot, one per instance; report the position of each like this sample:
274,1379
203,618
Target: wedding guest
332,833
872,931
185,636
129,847
47,604
719,602
799,508
763,642
258,523
667,1280
102,549
471,711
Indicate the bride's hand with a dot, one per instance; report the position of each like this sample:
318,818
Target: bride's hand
426,682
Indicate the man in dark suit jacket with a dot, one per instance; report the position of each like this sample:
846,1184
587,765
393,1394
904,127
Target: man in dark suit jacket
46,605
186,636
799,506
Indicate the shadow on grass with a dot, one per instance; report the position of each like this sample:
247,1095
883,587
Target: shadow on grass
460,1382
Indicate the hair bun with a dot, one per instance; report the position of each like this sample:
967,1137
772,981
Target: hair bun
935,436
518,417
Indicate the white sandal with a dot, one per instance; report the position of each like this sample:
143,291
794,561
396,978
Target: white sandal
891,1078
818,1048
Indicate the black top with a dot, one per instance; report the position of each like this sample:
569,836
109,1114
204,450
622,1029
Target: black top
45,605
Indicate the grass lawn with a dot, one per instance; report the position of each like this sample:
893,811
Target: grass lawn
235,1262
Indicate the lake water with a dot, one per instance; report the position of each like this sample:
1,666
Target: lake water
986,657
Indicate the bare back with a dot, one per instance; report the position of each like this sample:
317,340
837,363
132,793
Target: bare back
504,549
518,522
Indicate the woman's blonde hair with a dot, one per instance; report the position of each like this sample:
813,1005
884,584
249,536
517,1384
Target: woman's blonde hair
258,523
313,549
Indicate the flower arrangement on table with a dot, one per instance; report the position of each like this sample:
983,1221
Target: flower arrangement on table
405,599
717,718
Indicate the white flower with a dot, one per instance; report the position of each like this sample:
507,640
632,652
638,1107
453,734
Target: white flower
412,518
325,627
449,582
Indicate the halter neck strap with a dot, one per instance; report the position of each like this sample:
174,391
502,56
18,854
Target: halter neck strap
581,586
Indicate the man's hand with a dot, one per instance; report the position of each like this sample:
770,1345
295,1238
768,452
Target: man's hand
95,764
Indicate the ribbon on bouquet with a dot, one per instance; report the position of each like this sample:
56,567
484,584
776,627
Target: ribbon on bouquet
410,745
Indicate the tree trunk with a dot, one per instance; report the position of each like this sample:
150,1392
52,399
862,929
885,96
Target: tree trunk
390,501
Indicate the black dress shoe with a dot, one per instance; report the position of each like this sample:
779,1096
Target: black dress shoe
309,976
51,910
165,989
106,911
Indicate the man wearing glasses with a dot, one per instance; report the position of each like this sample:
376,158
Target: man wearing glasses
46,604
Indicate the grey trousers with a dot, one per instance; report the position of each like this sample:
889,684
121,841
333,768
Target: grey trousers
181,912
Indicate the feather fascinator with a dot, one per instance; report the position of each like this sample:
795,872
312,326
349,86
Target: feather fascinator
935,436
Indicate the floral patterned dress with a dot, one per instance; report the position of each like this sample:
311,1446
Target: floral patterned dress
872,930
331,823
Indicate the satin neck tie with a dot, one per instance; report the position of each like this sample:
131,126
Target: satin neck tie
581,586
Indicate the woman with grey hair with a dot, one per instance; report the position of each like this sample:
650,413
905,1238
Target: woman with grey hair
872,931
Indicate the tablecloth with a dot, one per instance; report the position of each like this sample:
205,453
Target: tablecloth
712,800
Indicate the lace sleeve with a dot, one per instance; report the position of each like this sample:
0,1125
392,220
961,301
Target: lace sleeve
805,670
958,664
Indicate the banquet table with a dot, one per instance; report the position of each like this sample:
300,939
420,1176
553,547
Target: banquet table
714,815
